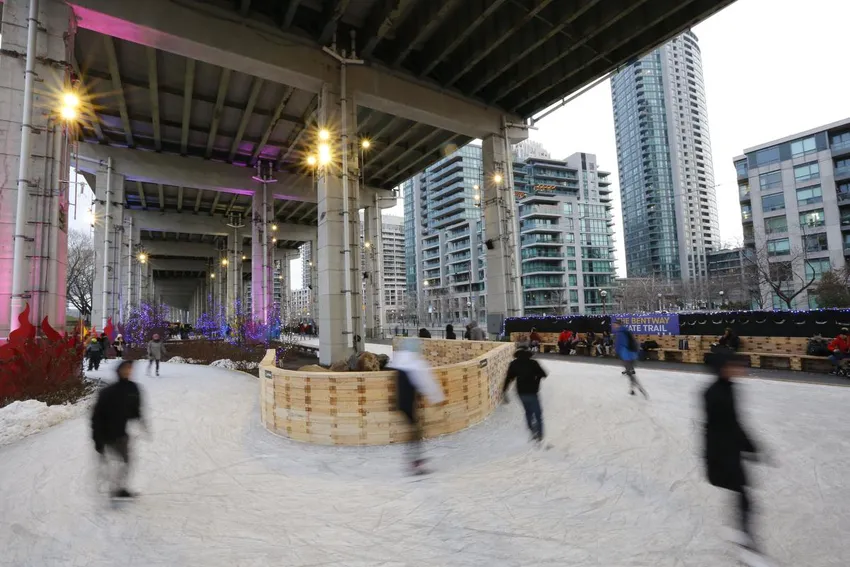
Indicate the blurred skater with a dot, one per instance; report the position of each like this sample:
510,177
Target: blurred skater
117,404
528,373
414,376
727,444
156,348
627,348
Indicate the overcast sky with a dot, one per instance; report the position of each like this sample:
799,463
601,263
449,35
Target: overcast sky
771,68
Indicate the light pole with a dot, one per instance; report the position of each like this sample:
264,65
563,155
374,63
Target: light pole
604,295
659,301
721,292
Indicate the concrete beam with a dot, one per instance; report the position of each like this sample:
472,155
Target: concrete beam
193,224
179,265
197,32
179,249
182,171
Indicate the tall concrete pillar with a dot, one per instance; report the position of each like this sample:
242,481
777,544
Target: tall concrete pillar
262,273
233,266
333,282
503,282
313,285
45,171
374,317
358,323
109,214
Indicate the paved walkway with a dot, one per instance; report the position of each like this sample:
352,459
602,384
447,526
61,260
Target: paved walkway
622,485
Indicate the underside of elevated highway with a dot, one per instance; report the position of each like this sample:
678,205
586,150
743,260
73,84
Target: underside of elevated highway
218,136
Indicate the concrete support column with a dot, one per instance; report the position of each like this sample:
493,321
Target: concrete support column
313,285
499,205
262,272
43,237
373,241
333,281
233,267
106,244
358,323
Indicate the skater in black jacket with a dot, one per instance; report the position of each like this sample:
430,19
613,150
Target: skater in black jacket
528,373
117,404
727,444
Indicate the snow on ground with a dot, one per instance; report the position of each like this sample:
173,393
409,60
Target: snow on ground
622,485
21,419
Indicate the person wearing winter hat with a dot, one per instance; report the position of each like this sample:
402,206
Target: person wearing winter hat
156,348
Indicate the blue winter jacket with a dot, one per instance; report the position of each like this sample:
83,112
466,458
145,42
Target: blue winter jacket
621,345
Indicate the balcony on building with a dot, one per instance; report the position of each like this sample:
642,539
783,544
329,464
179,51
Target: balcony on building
542,267
451,187
540,211
529,226
540,240
842,173
840,144
457,234
458,258
604,181
552,284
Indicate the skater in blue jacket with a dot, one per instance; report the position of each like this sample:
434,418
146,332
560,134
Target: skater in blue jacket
627,348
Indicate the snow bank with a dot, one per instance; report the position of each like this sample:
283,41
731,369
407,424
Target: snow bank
181,360
21,419
228,364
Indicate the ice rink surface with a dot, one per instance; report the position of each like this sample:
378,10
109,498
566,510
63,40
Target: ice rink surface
621,486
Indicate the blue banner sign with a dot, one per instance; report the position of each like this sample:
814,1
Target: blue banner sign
651,323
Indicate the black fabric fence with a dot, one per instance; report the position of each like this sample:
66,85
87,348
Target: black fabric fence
826,322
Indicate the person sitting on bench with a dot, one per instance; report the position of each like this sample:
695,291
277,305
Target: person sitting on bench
840,347
534,340
729,340
565,341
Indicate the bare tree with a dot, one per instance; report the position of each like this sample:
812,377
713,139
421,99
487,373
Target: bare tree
787,278
80,271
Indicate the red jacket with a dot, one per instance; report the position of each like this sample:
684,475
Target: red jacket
565,336
840,344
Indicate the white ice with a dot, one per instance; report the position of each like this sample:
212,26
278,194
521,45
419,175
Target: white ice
622,485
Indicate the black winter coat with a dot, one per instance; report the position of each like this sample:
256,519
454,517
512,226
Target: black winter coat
725,438
116,404
527,373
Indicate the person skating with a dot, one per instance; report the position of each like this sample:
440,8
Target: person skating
413,378
727,444
627,348
119,345
94,352
116,405
156,348
528,373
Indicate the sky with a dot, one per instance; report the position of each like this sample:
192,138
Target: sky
771,68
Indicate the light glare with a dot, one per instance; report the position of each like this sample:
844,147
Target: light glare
324,154
324,135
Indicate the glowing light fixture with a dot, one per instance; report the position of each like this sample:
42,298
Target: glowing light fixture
274,227
70,100
324,135
244,257
497,178
274,240
324,154
142,257
68,113
212,276
224,261
311,161
365,144
368,245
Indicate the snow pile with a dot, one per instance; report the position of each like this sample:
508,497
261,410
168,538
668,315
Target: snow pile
228,364
181,360
20,419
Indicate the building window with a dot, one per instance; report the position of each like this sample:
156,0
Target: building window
746,213
775,202
840,141
817,268
573,296
571,265
765,157
806,172
812,219
573,280
803,147
571,251
815,242
770,180
809,196
568,209
775,224
741,168
779,247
